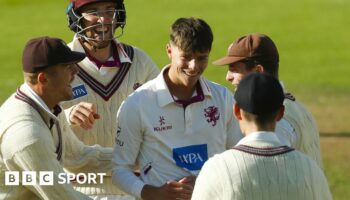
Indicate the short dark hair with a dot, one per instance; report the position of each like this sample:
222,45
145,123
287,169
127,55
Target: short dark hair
191,35
269,67
262,119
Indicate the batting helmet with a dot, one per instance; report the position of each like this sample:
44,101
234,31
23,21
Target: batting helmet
74,16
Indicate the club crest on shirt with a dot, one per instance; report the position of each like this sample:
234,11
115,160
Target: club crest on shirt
162,125
79,91
212,114
191,157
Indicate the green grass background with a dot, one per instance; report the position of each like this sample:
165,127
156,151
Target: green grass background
313,37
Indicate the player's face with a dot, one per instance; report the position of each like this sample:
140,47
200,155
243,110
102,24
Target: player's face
59,80
186,67
98,18
236,72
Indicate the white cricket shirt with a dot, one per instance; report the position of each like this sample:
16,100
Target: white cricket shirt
259,167
168,141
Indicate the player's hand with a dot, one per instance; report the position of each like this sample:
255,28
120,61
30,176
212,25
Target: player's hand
191,180
172,190
84,115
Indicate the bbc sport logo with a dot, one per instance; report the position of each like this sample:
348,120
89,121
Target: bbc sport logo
47,178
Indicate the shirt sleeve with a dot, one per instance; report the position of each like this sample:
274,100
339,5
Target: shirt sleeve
79,157
28,147
325,192
128,142
287,134
152,69
66,112
208,184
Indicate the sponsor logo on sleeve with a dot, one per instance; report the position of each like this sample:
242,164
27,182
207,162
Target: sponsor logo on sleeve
117,139
79,91
191,157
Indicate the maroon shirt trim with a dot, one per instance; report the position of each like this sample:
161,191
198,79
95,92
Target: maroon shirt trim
23,97
106,92
199,97
273,151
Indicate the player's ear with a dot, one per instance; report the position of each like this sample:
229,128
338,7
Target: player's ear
168,50
237,112
280,113
259,68
42,77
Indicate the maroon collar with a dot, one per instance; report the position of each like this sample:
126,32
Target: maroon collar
57,109
199,97
114,63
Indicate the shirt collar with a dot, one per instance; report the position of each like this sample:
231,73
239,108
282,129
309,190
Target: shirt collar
123,56
40,102
268,137
163,95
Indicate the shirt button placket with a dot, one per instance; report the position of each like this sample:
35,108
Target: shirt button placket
188,119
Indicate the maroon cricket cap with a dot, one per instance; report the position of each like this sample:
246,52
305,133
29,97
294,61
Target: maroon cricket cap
254,46
44,52
80,3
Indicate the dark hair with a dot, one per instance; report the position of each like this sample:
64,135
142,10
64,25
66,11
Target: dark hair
191,35
262,119
269,67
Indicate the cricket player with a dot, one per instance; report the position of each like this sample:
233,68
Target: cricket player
260,166
33,138
110,72
258,53
171,125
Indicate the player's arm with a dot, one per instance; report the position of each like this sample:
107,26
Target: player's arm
128,141
30,148
150,69
287,134
83,158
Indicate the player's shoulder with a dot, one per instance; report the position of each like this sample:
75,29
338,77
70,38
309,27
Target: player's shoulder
15,108
21,125
289,96
138,52
305,159
145,91
217,159
292,104
215,87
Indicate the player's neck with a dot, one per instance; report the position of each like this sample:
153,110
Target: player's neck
252,128
180,91
101,55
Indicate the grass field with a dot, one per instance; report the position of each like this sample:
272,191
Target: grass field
313,37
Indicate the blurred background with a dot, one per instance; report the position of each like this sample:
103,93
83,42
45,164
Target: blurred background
313,38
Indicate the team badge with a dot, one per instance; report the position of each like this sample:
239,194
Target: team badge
79,91
212,114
